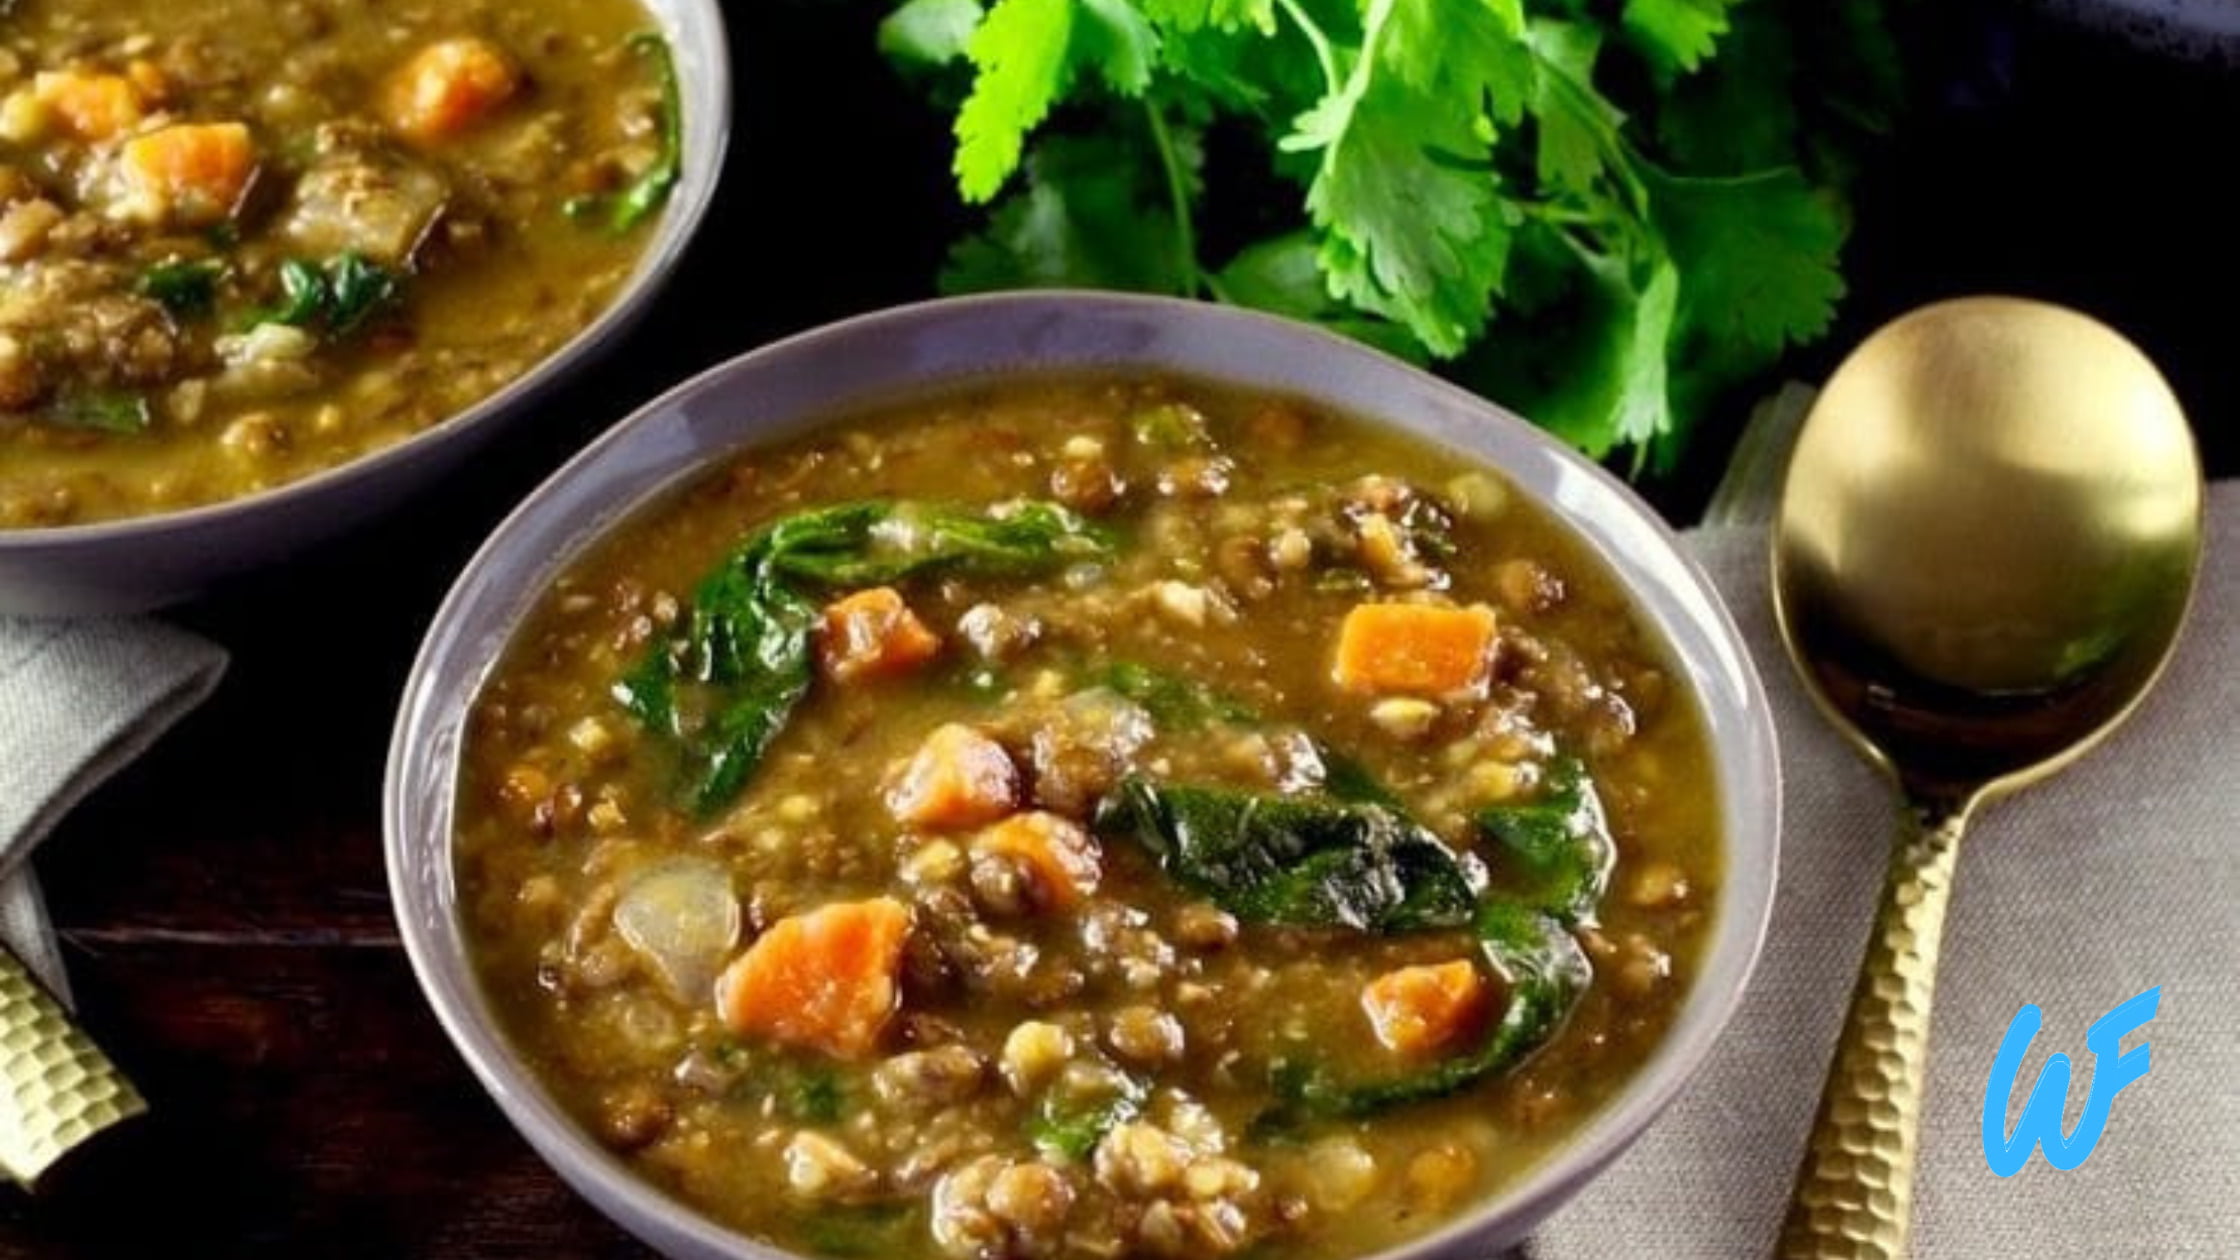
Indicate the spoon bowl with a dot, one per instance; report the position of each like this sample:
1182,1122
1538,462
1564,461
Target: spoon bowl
1984,550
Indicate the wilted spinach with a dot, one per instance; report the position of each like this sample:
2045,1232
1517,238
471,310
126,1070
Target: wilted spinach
726,682
1172,698
1365,865
1072,1132
183,286
335,299
1297,861
634,203
102,410
1561,841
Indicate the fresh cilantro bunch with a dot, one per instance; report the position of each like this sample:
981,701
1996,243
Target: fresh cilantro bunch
1601,213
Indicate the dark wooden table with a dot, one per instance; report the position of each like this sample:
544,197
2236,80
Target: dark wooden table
223,902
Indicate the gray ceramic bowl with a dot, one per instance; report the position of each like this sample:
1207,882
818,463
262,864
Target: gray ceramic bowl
793,385
145,562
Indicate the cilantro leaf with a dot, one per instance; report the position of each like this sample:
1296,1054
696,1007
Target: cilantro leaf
1093,213
1740,114
1413,223
1652,225
1021,55
1578,126
929,32
1675,35
1471,50
1283,274
1613,389
1758,253
1112,36
1227,15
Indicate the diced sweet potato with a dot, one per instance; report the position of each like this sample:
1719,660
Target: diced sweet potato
1414,649
957,778
872,634
1060,859
825,980
448,87
89,107
1423,1009
192,173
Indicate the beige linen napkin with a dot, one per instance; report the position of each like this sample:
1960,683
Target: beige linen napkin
2121,874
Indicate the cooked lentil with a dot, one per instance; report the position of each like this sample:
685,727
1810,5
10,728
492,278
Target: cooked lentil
1071,1053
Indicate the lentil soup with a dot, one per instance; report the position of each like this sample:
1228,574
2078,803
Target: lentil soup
242,242
1087,817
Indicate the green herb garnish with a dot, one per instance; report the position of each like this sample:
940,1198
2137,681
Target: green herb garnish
103,410
1561,842
184,286
1647,194
1172,699
723,687
633,204
816,1097
1072,1132
335,299
1300,861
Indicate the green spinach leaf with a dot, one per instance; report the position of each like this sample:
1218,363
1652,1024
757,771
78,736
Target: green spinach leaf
635,202
1072,1132
1545,971
1356,860
335,299
1298,861
184,286
103,410
1562,841
1174,699
723,687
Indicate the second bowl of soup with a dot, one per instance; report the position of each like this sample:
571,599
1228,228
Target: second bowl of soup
1083,783
245,247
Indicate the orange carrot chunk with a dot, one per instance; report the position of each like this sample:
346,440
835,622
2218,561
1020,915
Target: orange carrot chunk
88,107
1422,1009
449,86
872,634
1414,649
192,173
825,980
957,778
1060,859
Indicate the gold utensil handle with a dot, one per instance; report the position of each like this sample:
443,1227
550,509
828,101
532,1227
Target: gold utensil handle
56,1087
1854,1193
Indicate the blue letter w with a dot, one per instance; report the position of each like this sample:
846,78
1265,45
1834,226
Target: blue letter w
2041,1116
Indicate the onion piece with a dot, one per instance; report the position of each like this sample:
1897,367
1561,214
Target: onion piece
683,918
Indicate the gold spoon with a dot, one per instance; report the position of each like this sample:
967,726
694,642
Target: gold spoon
1985,545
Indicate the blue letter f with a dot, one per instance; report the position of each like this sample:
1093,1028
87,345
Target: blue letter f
2041,1116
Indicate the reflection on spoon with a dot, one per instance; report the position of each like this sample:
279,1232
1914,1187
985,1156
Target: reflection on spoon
1986,543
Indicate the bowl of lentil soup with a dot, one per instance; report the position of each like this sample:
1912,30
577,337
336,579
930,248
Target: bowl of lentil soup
1067,774
264,269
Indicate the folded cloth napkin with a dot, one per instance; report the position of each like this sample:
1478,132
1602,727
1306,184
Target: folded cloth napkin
78,701
2118,875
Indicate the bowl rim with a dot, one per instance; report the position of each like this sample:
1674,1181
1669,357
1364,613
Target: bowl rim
681,218
455,992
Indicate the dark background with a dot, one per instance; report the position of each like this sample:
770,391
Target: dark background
223,903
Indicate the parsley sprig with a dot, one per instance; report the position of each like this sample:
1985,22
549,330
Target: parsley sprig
1601,211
